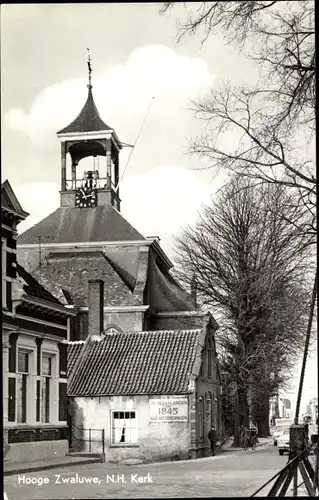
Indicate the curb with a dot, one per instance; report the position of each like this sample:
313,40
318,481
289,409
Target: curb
49,466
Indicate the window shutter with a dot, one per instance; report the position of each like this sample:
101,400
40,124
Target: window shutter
63,402
12,400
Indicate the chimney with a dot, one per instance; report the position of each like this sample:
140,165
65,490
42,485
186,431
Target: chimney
96,309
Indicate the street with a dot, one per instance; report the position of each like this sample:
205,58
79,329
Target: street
236,474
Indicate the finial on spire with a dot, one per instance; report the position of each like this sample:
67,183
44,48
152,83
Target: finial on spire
90,68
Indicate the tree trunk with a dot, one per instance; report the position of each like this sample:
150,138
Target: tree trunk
240,416
237,431
251,418
262,415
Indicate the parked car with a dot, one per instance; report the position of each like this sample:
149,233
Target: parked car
283,442
279,431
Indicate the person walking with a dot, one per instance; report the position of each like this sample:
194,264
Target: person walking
212,436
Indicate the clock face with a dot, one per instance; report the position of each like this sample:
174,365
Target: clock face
85,198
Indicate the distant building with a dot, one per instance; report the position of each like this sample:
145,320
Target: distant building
34,336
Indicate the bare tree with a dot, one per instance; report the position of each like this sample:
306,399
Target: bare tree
273,120
281,36
251,264
264,152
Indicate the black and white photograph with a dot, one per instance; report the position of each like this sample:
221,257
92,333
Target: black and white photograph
159,250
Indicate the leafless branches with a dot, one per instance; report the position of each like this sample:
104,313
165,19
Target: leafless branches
268,120
253,265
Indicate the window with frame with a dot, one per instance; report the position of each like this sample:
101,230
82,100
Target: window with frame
22,384
46,385
124,427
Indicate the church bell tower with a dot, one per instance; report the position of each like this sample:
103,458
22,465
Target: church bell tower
89,136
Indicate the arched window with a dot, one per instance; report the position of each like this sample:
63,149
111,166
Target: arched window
214,410
201,372
112,330
201,419
211,409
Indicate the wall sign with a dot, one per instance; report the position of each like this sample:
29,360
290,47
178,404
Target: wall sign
169,409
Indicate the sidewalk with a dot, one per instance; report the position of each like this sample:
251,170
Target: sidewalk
25,467
11,468
227,445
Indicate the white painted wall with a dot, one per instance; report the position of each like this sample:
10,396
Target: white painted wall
156,440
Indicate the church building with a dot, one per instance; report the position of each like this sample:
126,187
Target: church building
88,239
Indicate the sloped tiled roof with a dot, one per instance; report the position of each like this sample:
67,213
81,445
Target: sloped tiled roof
154,362
75,225
71,272
74,349
164,293
88,119
33,288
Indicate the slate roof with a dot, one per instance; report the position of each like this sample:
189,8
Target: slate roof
75,225
71,272
33,288
164,293
88,119
154,362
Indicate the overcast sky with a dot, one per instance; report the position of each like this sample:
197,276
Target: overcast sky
134,58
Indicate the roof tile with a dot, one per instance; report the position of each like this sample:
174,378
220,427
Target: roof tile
75,225
33,288
71,271
154,362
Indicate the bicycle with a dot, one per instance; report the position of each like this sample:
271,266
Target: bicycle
250,441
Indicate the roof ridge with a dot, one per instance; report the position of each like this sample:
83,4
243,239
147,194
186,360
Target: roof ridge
147,332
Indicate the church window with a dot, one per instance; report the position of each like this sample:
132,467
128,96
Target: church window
112,330
124,427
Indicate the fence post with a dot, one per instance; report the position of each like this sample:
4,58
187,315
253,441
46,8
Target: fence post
90,440
103,442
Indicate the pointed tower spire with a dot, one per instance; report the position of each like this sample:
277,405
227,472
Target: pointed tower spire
88,135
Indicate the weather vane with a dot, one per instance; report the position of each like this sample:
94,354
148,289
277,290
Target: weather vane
89,67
